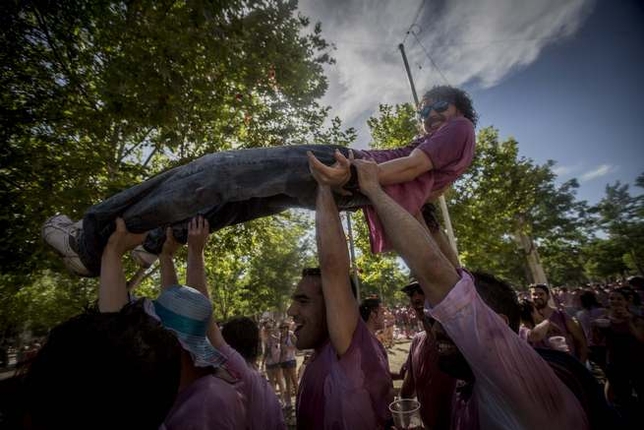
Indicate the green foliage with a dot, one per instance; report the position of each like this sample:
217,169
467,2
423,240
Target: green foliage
98,96
502,194
394,127
42,300
621,217
499,196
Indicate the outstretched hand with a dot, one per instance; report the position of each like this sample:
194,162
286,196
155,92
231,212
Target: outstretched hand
198,231
122,240
334,176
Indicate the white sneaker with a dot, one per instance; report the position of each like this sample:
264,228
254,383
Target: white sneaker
60,233
142,257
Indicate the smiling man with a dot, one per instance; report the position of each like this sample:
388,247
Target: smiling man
346,384
504,382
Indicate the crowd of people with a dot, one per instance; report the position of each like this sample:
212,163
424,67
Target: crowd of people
481,359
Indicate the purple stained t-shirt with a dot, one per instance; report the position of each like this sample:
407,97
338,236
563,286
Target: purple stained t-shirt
208,403
434,389
262,406
351,392
514,387
450,148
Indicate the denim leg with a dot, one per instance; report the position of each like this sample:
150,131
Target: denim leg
226,187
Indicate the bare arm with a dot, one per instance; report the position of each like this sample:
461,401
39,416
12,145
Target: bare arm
341,307
112,291
539,332
578,336
410,239
404,169
166,261
394,171
198,231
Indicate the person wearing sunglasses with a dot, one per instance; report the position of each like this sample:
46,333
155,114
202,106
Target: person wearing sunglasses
232,187
421,171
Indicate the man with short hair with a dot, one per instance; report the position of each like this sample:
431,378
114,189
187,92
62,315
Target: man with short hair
262,408
346,384
424,378
572,331
504,383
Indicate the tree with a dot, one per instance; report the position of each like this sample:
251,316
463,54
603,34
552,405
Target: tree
500,197
98,96
503,195
621,217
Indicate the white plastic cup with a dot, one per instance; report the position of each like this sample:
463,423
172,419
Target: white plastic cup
406,414
558,343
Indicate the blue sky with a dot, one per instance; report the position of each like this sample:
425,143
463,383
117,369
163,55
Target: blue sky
564,78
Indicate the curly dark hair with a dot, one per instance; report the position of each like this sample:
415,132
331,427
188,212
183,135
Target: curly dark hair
458,97
242,334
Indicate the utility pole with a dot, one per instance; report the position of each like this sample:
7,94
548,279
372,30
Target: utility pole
441,199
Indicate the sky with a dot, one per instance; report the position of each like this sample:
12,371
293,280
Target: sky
565,78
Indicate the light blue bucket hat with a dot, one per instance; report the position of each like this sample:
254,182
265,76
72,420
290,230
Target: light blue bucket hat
187,312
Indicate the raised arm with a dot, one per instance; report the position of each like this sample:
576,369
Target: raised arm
341,307
166,261
413,243
198,232
112,291
578,336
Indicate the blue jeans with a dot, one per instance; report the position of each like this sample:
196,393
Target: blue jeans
227,188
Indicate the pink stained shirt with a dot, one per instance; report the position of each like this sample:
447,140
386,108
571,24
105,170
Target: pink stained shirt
451,150
208,403
352,392
262,405
434,389
514,387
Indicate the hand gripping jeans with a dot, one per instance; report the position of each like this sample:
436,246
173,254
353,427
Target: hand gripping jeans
227,188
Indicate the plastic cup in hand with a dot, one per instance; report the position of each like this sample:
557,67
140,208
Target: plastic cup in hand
406,414
558,343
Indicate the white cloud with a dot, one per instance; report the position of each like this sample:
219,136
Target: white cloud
597,172
479,42
563,170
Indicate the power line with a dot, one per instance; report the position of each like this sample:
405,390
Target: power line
430,59
420,7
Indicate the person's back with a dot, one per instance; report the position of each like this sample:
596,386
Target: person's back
241,346
210,402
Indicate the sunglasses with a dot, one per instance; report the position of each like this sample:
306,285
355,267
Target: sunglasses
438,106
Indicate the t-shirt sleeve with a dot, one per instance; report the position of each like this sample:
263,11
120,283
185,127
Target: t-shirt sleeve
515,386
449,142
357,386
236,362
